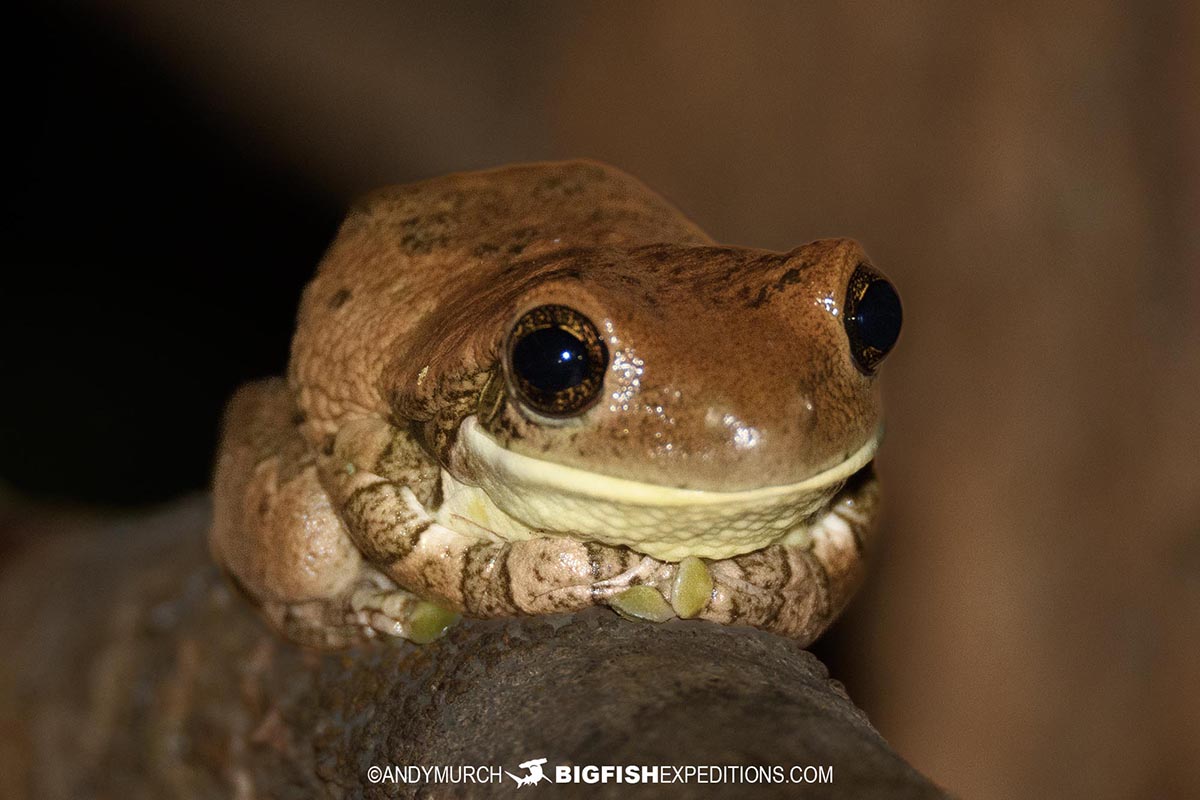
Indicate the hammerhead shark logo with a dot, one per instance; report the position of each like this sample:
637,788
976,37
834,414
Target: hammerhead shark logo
535,775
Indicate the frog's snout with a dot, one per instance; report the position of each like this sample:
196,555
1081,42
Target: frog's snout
739,431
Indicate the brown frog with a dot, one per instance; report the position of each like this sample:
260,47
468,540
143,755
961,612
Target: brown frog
540,388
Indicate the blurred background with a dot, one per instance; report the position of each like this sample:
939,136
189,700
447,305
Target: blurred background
1027,173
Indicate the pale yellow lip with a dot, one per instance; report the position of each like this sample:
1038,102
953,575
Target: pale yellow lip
516,496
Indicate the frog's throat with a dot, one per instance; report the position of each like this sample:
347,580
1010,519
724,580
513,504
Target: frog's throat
511,496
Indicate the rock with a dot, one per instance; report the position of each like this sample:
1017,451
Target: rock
135,670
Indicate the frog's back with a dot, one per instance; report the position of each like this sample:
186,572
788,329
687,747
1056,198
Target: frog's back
443,230
405,251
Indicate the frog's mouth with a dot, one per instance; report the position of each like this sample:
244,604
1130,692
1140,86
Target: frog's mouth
513,496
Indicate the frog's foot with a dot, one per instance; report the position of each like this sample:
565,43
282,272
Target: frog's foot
647,571
317,623
396,612
638,592
675,590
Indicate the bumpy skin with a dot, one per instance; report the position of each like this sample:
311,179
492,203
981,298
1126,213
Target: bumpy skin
730,371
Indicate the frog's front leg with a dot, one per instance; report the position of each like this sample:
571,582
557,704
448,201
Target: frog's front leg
383,484
797,590
279,537
481,576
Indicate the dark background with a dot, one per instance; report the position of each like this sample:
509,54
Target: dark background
154,264
1028,174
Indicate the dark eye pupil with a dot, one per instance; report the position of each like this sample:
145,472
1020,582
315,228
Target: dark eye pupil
878,316
551,359
556,360
872,319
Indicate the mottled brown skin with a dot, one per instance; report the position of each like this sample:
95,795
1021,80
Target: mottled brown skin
325,484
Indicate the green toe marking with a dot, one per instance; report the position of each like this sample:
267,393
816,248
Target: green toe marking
692,588
642,602
428,622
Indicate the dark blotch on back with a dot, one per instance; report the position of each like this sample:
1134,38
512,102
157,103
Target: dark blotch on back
339,299
422,234
791,276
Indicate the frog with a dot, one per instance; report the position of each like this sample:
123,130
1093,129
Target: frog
540,388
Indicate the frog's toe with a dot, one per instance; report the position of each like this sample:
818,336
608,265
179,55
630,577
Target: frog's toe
692,588
397,612
642,603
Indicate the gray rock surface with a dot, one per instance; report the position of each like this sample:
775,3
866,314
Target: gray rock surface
135,670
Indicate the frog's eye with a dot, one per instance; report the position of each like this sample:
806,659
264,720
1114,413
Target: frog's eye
872,317
557,360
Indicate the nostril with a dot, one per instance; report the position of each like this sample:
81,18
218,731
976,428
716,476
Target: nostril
799,415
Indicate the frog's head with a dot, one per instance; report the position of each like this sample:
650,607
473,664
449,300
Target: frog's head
679,399
572,356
